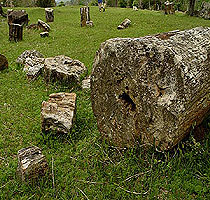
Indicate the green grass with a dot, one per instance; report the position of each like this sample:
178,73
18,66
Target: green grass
84,165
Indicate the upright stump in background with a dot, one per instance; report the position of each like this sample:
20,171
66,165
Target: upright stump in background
85,15
49,15
15,32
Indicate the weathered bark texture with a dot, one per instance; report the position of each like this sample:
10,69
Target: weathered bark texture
49,15
152,89
205,10
64,70
31,164
44,34
85,16
124,24
169,8
86,83
58,113
44,26
3,62
18,17
2,12
15,32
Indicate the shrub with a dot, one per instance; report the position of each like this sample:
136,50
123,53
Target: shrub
45,3
122,3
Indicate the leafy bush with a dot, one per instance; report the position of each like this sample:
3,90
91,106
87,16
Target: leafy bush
61,4
130,3
122,3
94,3
136,3
45,3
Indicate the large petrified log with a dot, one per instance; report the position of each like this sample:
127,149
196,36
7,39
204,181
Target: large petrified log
15,32
18,17
64,70
49,15
3,62
58,113
205,10
31,164
152,89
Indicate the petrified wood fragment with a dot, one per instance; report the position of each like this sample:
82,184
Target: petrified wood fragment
32,164
49,15
18,17
58,113
124,24
64,70
152,89
3,62
15,32
44,26
44,34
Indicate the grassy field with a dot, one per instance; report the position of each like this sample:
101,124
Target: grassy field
85,167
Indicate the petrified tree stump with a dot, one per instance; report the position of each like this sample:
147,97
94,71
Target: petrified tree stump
44,26
58,113
152,89
49,15
2,12
169,8
31,164
85,16
18,17
3,62
15,32
124,24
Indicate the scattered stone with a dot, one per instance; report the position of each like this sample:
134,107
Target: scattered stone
151,89
124,24
3,62
49,15
64,70
44,34
32,164
44,26
58,113
205,10
169,8
85,17
135,8
86,83
18,17
33,67
15,32
33,26
33,54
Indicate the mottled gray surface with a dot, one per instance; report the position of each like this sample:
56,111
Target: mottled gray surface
152,89
58,113
205,10
31,163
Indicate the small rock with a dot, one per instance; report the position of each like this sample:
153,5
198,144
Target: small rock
3,62
28,54
58,113
86,83
63,69
33,67
31,163
44,26
44,34
124,24
89,23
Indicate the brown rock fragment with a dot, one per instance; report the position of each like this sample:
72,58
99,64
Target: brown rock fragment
58,113
3,62
124,24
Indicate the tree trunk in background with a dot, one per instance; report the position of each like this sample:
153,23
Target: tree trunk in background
140,3
191,7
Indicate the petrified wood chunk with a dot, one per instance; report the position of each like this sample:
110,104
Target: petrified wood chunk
85,16
58,113
63,69
49,15
3,62
44,26
33,67
18,17
15,32
152,89
124,24
33,54
86,83
205,10
31,163
44,34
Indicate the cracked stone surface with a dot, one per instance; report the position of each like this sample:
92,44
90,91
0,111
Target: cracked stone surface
64,70
152,89
31,163
58,113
